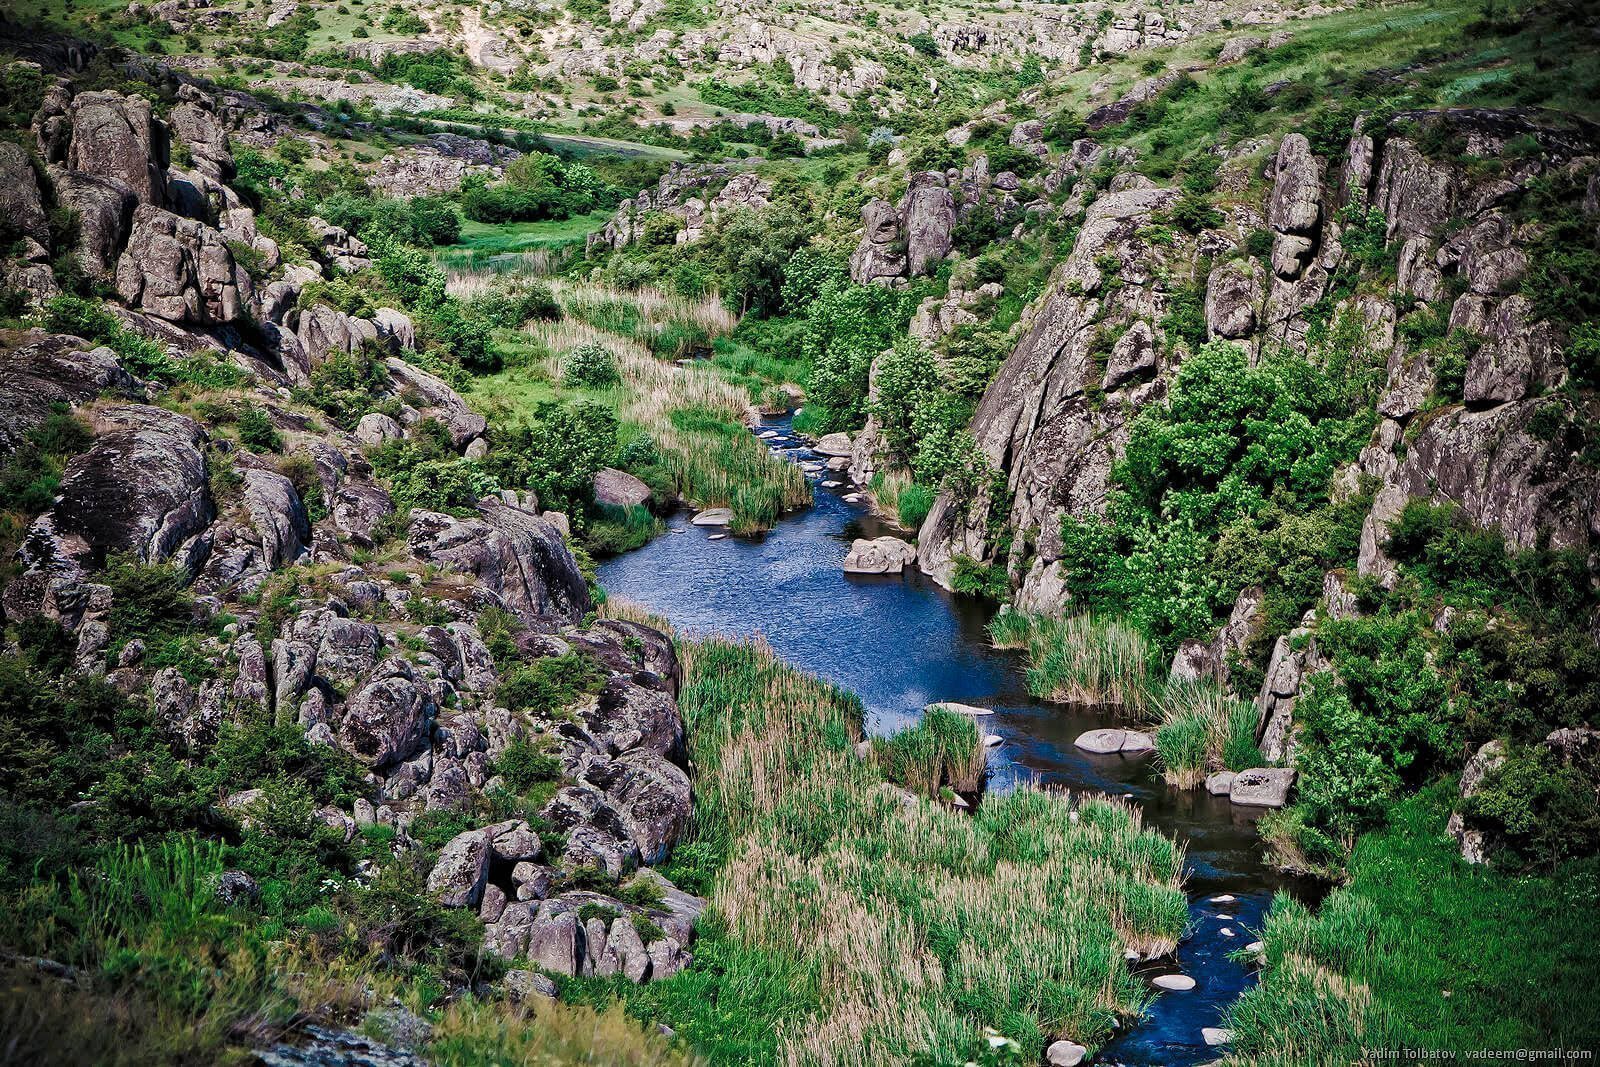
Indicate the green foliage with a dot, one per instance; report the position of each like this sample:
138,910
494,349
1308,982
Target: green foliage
1369,967
256,430
912,505
942,751
846,326
590,366
32,473
522,764
346,386
546,686
1233,448
1539,809
556,451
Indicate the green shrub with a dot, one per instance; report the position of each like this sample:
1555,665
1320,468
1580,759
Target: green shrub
548,685
590,366
523,765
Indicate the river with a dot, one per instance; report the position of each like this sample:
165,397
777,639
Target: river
901,642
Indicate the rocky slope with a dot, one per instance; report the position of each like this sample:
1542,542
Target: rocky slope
376,645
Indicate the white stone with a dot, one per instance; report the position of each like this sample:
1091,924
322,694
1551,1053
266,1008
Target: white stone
1220,783
1215,1035
1065,1054
1177,983
993,741
833,444
716,537
713,517
1223,898
959,709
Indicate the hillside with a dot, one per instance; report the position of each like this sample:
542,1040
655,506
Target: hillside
1236,363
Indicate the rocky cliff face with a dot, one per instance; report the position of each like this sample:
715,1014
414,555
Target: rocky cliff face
1094,349
403,664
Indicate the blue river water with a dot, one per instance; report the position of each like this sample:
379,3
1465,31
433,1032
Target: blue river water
900,642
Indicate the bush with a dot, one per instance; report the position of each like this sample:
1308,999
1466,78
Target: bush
548,685
590,366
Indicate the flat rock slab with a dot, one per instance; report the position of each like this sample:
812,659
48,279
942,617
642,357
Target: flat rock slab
713,517
1219,784
833,445
1102,742
1215,1035
1176,983
1137,741
959,709
1262,787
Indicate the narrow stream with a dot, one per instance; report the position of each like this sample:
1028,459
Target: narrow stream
901,642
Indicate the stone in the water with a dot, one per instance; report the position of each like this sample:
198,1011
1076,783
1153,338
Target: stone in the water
1215,1035
833,445
1102,742
1065,1053
716,537
1223,898
959,709
993,741
839,463
1220,783
1136,741
1262,787
1226,932
832,483
713,517
852,498
1256,947
881,555
1174,982
1224,918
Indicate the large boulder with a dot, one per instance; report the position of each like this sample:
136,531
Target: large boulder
104,207
512,552
619,489
180,270
435,399
50,371
1484,761
883,555
384,720
201,130
1295,206
929,212
140,490
458,877
881,255
21,204
116,136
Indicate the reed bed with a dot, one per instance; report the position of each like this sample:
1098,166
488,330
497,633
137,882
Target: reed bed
713,461
906,929
1082,659
944,750
1203,727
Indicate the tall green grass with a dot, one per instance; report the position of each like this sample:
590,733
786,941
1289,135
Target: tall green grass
1421,950
944,750
851,928
1082,659
1085,659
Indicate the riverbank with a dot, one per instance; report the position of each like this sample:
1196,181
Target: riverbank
901,642
854,924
